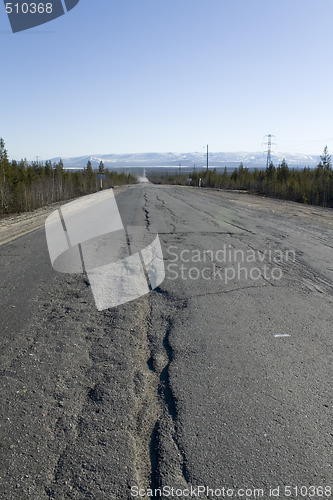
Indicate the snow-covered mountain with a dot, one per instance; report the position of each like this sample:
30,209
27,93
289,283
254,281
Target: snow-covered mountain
198,159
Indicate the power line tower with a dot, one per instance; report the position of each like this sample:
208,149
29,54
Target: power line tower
269,144
205,154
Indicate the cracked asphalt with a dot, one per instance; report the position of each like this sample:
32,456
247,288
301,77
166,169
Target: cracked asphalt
220,377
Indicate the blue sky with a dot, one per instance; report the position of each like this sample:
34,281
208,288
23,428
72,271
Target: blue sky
125,76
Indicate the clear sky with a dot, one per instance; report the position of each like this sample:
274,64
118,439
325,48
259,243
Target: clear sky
125,76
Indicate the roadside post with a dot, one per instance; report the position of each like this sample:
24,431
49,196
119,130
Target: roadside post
101,177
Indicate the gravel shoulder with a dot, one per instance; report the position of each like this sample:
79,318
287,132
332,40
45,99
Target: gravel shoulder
273,205
15,225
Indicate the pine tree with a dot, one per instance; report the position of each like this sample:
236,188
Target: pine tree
90,177
282,171
270,170
3,151
326,159
4,181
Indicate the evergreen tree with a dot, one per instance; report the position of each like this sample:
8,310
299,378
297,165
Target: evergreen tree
4,178
89,167
282,171
326,159
101,169
270,170
3,151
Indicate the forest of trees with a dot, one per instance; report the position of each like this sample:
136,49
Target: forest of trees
309,185
25,187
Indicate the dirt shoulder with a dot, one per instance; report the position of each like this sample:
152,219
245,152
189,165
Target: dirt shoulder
274,205
16,225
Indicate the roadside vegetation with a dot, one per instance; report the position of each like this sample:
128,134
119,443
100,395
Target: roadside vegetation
309,185
25,187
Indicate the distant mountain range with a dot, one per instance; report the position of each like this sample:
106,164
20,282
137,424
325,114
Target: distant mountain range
197,160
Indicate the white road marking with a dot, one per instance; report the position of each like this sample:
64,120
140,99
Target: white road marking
281,335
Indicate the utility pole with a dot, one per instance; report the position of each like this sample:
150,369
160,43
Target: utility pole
180,166
269,149
207,157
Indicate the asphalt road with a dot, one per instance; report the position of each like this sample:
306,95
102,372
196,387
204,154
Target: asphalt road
219,378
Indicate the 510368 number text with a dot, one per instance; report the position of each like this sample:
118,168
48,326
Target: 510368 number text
29,8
